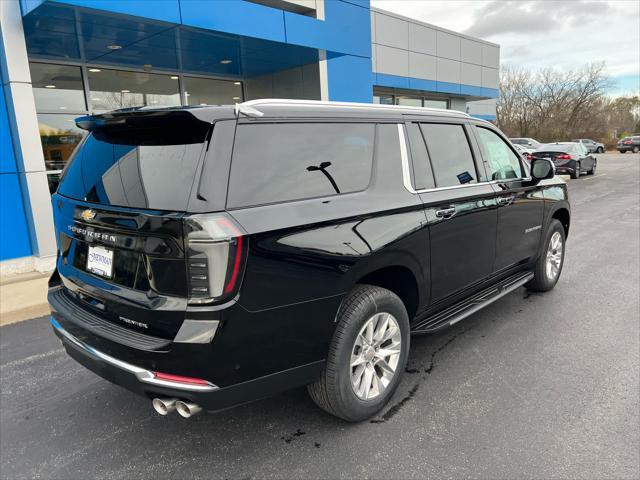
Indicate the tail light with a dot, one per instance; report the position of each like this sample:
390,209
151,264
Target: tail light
563,156
216,254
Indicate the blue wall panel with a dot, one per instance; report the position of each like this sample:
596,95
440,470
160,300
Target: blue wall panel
7,156
164,10
346,29
233,16
349,79
14,232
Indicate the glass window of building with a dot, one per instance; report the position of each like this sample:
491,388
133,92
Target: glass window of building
206,91
409,101
57,88
112,89
383,99
431,103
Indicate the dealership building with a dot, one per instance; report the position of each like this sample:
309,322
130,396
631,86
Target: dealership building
64,59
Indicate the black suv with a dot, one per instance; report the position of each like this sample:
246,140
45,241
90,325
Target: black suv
210,256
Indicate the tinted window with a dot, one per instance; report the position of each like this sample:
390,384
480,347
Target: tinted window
142,176
422,176
556,147
280,162
503,162
450,154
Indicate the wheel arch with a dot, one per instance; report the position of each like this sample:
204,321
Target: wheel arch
400,280
564,217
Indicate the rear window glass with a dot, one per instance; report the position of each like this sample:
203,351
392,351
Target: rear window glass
114,170
553,147
285,161
450,154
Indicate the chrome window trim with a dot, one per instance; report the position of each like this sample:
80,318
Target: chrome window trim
145,376
406,174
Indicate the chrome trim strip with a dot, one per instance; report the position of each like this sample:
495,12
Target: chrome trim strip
406,174
145,376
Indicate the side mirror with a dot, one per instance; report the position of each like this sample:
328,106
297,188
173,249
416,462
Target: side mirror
542,169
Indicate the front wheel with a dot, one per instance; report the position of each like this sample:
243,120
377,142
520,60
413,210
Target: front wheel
548,267
600,150
367,355
636,149
593,169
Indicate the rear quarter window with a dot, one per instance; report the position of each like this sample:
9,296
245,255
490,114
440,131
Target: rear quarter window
280,162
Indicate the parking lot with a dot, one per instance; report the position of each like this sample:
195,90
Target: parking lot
532,386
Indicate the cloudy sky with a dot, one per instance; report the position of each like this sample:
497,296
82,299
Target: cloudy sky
544,33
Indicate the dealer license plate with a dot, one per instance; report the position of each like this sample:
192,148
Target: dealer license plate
100,261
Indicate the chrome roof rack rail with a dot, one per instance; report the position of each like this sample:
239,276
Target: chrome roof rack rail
318,103
247,110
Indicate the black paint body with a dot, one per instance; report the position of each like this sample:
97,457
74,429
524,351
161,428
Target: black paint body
303,257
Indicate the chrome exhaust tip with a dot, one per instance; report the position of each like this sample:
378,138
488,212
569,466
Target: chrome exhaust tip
187,409
164,405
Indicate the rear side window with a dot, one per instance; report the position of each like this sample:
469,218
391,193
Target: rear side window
280,162
422,175
503,162
450,154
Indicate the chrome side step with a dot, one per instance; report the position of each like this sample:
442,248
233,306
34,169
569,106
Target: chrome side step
453,314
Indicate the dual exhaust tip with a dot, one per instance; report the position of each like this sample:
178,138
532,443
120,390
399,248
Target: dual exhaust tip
164,406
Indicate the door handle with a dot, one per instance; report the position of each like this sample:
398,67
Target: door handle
446,212
506,200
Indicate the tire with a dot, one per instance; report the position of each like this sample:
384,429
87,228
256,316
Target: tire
600,150
576,174
334,391
542,280
636,149
593,169
622,151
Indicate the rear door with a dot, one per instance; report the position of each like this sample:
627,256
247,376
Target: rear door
459,204
118,215
520,204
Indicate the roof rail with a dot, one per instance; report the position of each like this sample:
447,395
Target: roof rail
240,107
247,110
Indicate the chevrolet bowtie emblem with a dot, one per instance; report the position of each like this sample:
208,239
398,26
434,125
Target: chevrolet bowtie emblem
88,215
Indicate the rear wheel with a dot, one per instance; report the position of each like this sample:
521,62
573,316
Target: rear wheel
576,173
622,151
600,150
367,355
548,267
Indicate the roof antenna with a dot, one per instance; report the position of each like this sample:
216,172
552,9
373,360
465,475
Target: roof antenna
248,111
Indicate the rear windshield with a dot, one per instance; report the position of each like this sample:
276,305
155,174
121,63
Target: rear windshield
141,169
553,147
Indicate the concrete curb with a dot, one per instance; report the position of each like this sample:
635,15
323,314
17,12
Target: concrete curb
23,297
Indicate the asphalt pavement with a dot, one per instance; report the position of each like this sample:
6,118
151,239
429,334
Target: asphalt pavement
535,385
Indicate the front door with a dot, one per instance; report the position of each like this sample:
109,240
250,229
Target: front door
520,204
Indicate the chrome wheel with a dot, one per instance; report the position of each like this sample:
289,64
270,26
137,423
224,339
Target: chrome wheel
554,256
375,356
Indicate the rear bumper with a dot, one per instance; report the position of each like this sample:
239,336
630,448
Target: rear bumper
210,397
567,167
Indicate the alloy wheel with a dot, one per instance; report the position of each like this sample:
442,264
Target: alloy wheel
375,356
554,256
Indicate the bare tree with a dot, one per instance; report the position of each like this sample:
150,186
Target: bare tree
553,104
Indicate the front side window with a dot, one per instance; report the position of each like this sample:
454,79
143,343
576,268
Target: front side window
503,163
450,154
285,161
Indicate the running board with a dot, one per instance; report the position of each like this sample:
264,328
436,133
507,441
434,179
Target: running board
453,314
